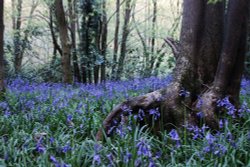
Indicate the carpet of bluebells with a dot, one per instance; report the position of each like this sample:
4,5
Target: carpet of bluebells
51,124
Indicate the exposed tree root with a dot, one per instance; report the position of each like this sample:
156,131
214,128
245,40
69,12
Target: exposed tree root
144,102
174,108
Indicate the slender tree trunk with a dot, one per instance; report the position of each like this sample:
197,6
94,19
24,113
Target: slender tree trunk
2,87
153,56
17,35
116,39
83,44
104,34
56,46
63,32
125,33
72,17
21,42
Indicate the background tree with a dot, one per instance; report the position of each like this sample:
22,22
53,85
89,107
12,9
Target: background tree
93,41
72,18
116,39
178,101
2,71
125,33
63,33
21,40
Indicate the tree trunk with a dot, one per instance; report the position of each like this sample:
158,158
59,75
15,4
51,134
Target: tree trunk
56,46
17,35
200,24
21,42
104,34
125,33
63,32
153,55
116,44
72,17
2,87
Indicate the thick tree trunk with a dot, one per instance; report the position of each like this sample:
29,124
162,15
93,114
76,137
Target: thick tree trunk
2,87
63,32
177,107
229,61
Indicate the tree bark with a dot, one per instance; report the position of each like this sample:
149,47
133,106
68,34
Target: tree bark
63,32
153,56
104,34
56,46
72,18
2,86
17,35
116,44
125,33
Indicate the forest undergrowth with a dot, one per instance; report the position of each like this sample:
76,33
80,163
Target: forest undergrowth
52,124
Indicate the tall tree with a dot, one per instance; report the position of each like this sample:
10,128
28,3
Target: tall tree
16,20
104,34
93,40
63,33
21,40
195,72
2,87
125,33
116,39
72,18
89,37
56,47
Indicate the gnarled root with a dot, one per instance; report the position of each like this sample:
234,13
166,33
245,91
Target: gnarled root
144,102
175,109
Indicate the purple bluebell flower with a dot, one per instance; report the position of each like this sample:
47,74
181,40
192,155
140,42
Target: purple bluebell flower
210,138
155,113
174,135
221,123
143,148
110,158
141,114
200,114
97,159
138,162
231,110
51,140
40,148
126,109
158,154
199,103
151,163
127,157
66,148
54,160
